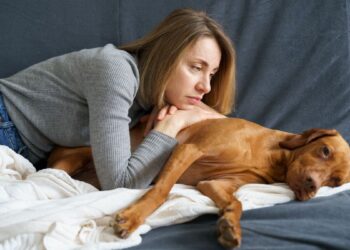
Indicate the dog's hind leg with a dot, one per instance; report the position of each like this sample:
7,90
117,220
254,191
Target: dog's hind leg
221,192
71,160
131,218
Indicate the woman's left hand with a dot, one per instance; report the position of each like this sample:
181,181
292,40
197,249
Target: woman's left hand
157,115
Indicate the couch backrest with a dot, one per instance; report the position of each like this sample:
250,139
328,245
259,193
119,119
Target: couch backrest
292,56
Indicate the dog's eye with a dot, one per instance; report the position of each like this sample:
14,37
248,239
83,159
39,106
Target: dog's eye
325,151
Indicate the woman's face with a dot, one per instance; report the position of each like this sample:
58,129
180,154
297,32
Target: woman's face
190,80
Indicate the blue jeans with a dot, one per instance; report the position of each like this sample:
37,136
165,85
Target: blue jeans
8,132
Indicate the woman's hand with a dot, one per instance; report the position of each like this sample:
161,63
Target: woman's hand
156,116
170,120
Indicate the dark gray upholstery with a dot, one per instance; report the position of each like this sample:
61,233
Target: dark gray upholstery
292,73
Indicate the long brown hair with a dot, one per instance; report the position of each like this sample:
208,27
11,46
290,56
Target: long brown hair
159,52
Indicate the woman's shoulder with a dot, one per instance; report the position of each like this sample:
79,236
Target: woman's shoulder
109,57
108,52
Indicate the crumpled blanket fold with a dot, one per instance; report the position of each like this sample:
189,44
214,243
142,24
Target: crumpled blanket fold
47,209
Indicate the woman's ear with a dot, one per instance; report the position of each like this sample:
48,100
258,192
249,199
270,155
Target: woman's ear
296,141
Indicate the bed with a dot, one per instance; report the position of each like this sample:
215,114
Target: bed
292,74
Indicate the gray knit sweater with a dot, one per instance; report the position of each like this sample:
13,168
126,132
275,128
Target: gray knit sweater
87,98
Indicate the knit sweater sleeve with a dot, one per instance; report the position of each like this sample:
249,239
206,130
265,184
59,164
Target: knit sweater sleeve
110,87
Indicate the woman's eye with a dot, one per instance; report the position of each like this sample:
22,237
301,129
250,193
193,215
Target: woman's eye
197,68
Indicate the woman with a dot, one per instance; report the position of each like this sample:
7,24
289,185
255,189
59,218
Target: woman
183,71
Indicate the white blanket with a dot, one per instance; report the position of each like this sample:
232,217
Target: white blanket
50,210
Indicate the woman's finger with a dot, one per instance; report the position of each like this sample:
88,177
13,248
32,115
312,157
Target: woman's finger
172,109
162,113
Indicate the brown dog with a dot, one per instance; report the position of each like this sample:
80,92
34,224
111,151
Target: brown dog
218,156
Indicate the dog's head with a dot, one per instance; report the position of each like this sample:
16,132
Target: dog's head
319,157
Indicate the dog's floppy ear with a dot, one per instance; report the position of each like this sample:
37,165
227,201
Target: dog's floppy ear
296,141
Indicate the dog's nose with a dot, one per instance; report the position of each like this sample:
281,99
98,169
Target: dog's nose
309,184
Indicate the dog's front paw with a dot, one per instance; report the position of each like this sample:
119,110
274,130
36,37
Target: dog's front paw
125,223
229,233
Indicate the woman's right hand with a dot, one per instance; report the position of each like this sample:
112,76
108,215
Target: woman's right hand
170,120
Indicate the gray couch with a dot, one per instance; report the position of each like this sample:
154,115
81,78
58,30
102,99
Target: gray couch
293,73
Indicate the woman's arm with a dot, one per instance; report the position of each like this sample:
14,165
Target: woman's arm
110,89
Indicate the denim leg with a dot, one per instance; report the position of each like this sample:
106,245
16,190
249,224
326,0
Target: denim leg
8,132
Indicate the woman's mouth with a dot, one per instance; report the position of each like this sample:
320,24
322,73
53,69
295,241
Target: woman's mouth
194,100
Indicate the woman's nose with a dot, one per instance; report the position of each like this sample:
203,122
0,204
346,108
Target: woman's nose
204,85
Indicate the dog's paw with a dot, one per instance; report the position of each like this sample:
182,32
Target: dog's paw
229,233
124,224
